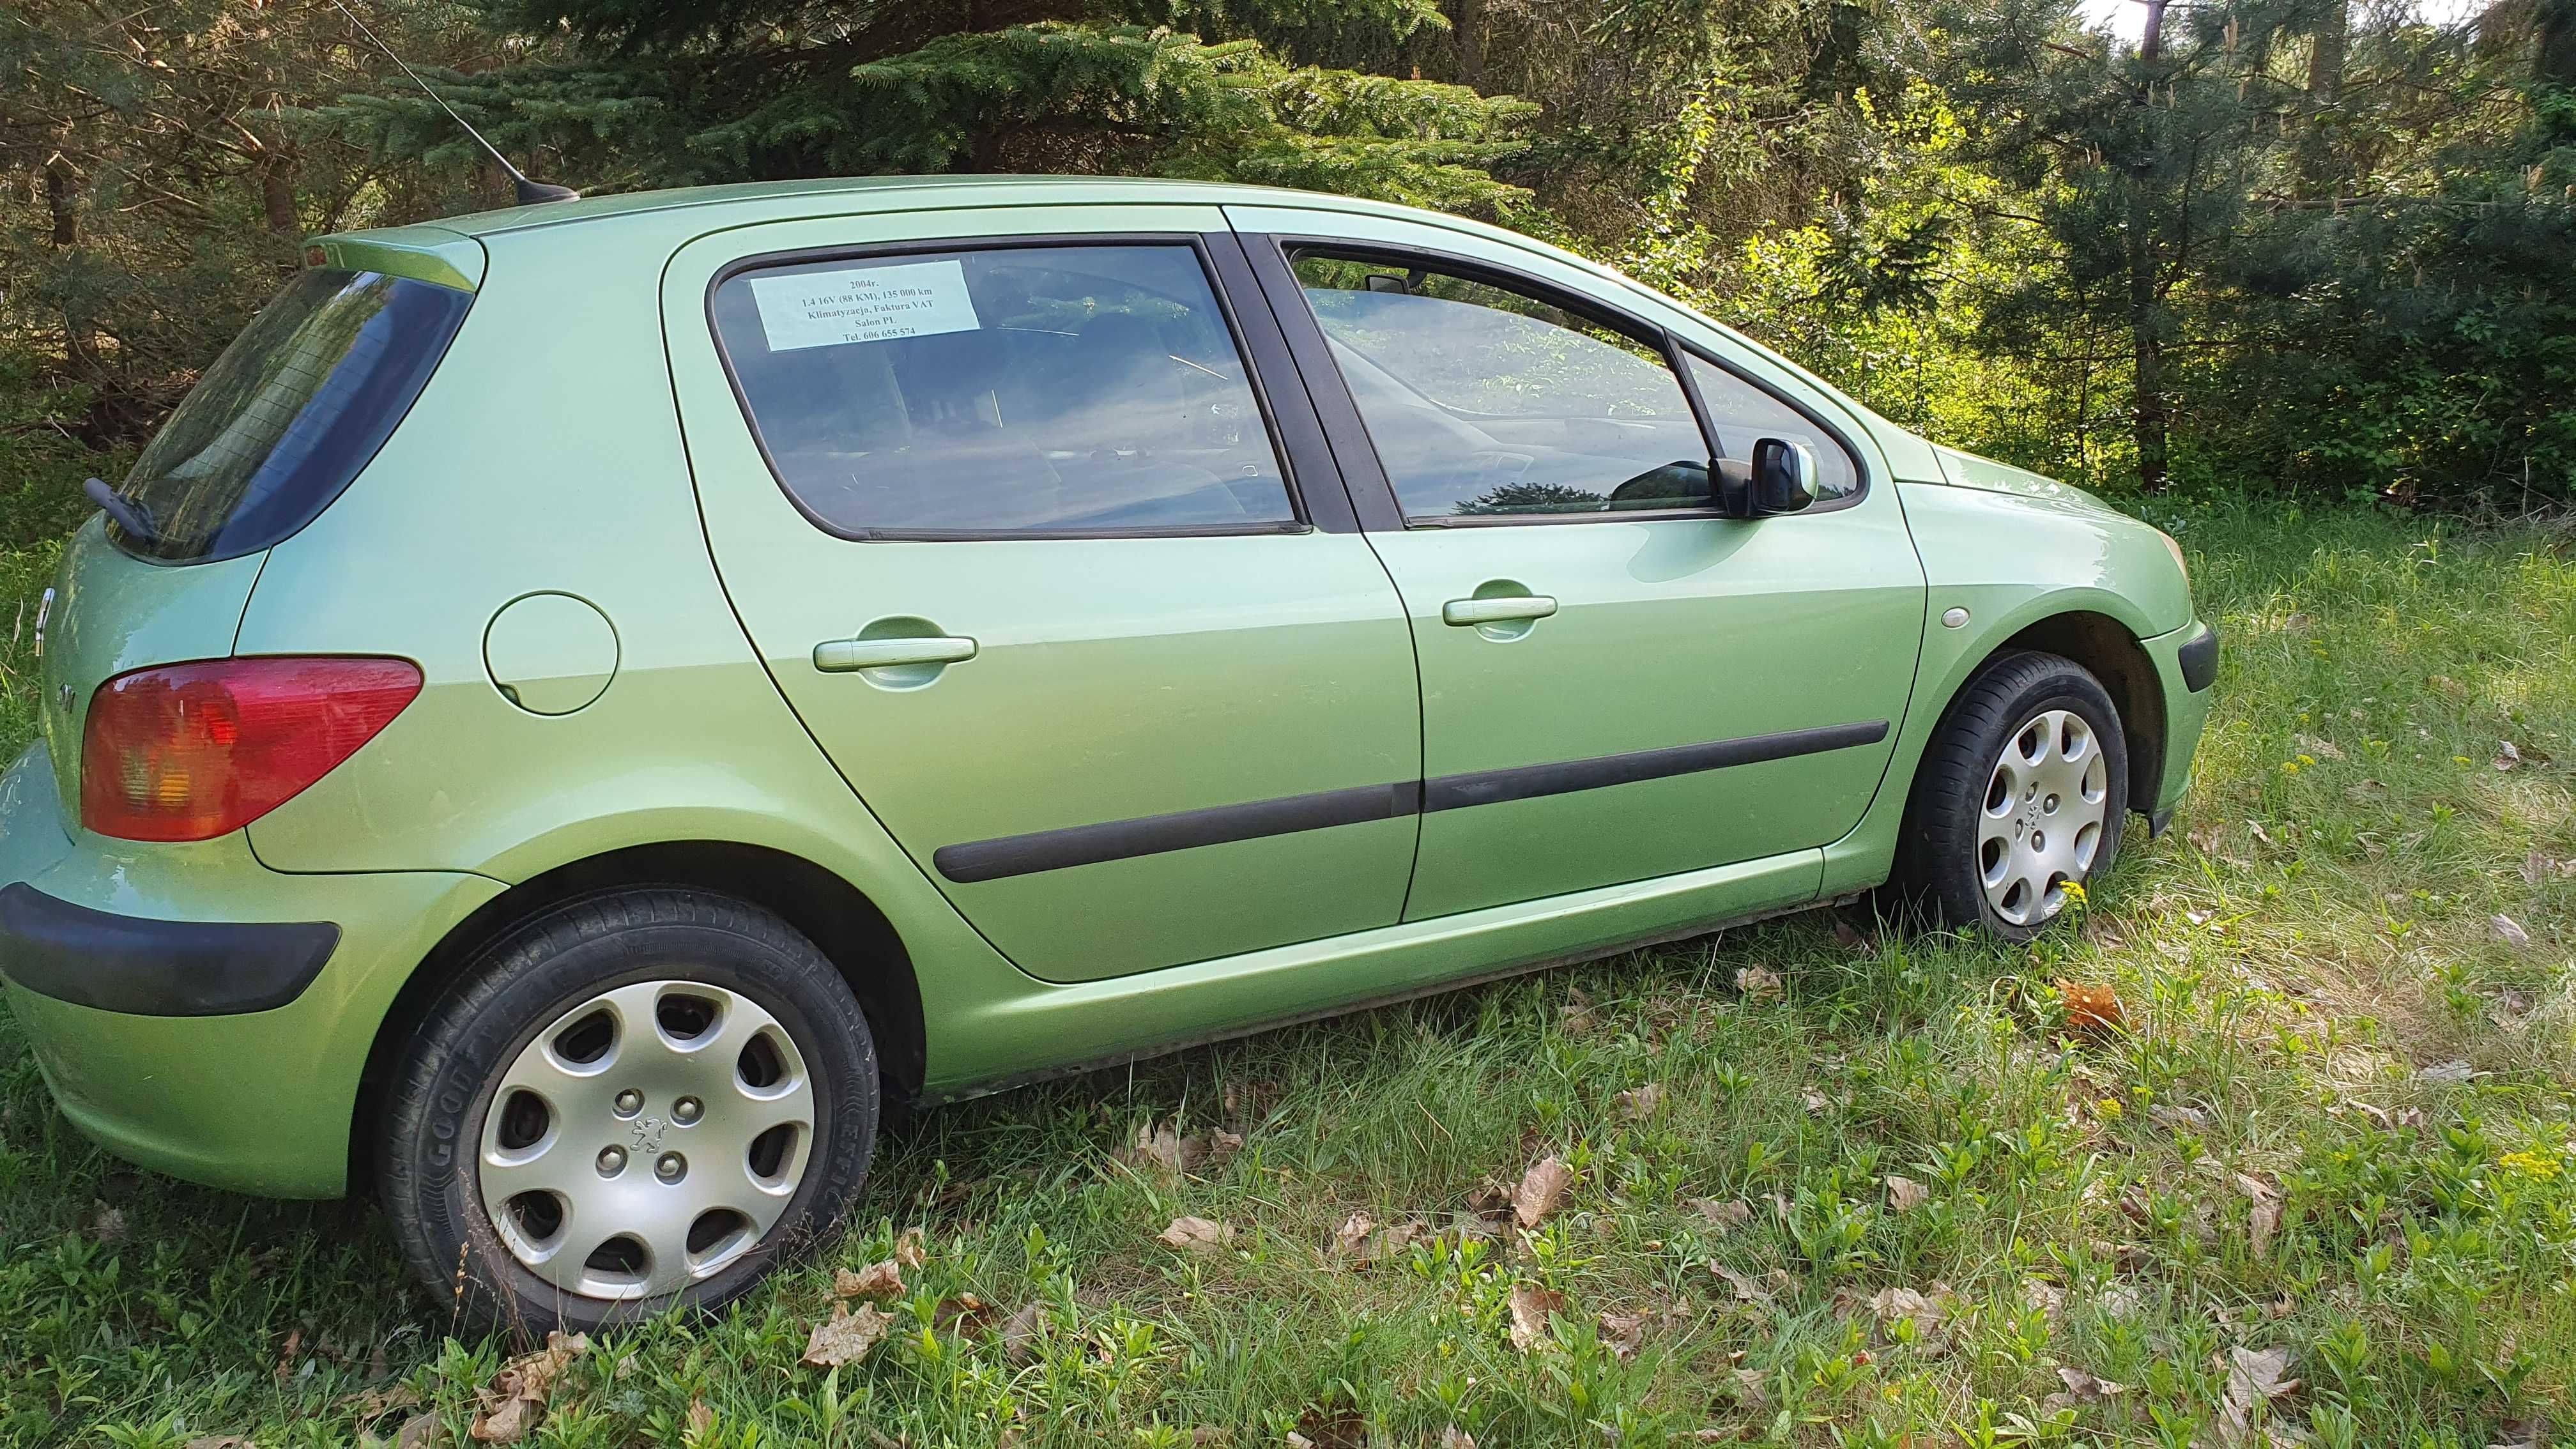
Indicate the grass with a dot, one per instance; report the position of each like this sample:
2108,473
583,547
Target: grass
2317,1185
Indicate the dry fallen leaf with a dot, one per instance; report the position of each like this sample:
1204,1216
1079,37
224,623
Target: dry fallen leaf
1195,1235
417,1432
1020,1335
1746,1289
700,1420
2322,749
2084,1388
1925,1310
2045,1296
2511,930
1639,1103
1531,1305
1165,1148
848,1338
876,1280
964,1315
2507,757
1576,1016
1625,1333
2253,1379
508,1407
1849,939
1726,1216
1542,1188
221,1441
2263,1222
1904,1194
1756,984
1750,1390
2092,1010
1454,1437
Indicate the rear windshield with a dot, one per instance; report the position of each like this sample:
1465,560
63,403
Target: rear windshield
289,414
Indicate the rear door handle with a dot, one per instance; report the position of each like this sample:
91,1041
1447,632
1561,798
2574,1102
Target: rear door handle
840,656
1465,613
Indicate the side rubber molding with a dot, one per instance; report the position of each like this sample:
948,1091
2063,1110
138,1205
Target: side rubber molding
156,968
2199,659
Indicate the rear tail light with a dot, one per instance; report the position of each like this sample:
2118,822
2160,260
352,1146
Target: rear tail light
193,751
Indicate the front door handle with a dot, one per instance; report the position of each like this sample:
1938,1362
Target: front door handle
1465,613
840,656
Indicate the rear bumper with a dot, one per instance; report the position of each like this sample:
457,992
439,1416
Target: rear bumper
146,967
183,1001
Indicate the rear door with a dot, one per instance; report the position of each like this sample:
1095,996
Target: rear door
1617,682
1062,580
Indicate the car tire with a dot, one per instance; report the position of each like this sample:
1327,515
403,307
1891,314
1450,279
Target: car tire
2031,749
565,1144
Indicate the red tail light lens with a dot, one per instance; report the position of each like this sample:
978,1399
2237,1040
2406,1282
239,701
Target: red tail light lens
193,751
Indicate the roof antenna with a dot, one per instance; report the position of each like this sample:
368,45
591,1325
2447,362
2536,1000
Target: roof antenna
528,192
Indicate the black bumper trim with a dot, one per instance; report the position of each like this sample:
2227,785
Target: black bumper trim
145,967
2198,658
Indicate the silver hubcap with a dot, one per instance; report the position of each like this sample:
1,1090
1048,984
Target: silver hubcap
645,1139
2042,821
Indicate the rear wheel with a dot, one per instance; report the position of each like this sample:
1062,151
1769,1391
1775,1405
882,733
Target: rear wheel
2022,793
633,1103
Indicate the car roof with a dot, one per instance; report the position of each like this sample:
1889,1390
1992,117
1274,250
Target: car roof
968,190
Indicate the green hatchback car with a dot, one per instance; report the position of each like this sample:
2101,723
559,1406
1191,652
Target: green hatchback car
583,704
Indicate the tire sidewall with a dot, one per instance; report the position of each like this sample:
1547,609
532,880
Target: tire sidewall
2060,684
537,975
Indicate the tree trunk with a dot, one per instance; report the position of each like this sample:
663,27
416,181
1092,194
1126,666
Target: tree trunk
58,203
1467,31
2145,324
277,194
2313,168
2556,62
62,204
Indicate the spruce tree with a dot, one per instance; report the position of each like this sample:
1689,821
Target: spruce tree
622,93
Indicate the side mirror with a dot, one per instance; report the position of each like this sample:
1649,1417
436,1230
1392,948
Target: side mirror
1784,476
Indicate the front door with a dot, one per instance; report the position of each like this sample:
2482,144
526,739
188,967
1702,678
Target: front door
1010,524
1617,684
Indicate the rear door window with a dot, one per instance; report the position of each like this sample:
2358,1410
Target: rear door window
289,413
1002,391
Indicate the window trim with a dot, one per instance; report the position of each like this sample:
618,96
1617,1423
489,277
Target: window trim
1302,521
1280,250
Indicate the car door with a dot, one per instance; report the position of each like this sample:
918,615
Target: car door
1066,587
1617,683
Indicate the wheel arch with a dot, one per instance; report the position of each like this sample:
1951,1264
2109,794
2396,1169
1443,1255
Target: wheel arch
848,927
2106,647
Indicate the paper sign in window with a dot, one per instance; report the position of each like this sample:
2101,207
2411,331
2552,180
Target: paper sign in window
864,304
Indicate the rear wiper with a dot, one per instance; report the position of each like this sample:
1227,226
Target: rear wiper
129,515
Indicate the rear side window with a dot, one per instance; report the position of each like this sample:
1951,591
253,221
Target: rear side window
1006,390
289,413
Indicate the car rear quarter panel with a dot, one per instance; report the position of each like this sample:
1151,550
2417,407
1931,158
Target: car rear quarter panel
546,456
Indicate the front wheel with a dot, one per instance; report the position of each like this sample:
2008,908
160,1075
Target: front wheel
633,1103
2022,793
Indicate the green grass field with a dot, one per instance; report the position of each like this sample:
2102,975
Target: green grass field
2316,1184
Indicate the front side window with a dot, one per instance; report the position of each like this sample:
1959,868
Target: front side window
1742,414
289,413
1009,390
1485,401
